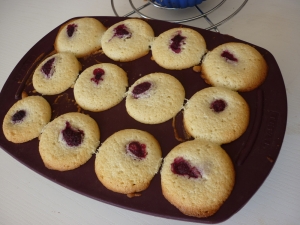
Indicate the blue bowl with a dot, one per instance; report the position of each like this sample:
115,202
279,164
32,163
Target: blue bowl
178,3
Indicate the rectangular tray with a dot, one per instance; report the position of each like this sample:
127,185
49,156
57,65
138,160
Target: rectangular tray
253,154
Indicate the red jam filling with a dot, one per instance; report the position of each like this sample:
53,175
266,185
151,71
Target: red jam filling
140,89
228,56
121,31
182,167
71,29
176,43
48,68
218,105
98,73
18,116
137,149
72,136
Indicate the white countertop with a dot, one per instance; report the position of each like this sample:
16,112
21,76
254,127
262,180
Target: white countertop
28,198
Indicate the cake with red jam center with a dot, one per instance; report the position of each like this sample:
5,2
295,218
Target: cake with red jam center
69,141
237,66
127,161
197,177
127,40
100,87
178,48
25,120
80,36
56,73
216,114
155,98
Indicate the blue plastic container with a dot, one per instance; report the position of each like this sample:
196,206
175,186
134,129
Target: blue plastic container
178,3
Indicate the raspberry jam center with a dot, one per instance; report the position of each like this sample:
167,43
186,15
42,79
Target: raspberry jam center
98,73
18,116
228,56
181,167
121,31
137,149
176,43
48,68
218,105
73,137
140,89
71,29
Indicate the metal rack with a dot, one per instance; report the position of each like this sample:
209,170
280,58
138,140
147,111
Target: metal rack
204,15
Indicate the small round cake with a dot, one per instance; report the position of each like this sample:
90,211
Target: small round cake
69,141
128,160
80,36
127,40
100,87
25,120
197,177
56,74
216,114
178,48
237,66
155,98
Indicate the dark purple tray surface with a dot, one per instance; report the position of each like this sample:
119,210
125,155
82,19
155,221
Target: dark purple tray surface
253,154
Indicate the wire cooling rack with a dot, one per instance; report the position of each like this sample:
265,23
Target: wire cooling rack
200,14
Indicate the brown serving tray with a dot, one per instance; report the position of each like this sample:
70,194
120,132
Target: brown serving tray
253,154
